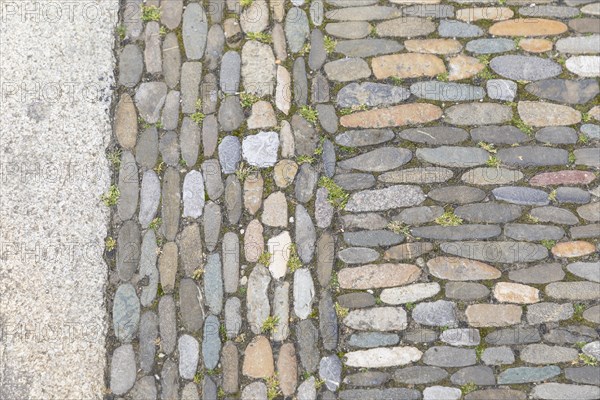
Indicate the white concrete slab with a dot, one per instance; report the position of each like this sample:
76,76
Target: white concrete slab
56,69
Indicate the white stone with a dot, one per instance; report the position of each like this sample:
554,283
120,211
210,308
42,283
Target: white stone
383,357
189,352
283,90
461,337
279,248
441,393
261,149
193,194
409,294
584,65
304,293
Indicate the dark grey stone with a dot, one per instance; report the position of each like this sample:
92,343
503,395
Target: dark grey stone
375,238
490,212
565,91
373,339
556,135
418,375
506,134
371,94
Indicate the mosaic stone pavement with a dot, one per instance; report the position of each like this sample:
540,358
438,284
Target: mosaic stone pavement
355,199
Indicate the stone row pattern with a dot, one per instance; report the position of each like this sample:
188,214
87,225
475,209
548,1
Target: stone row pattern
356,199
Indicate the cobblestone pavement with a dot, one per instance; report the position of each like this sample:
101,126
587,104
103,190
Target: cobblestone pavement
355,199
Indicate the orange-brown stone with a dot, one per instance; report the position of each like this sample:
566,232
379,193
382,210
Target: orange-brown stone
407,251
287,369
463,67
536,45
576,248
126,124
405,114
373,276
528,27
433,46
461,269
491,13
508,292
407,65
568,177
258,359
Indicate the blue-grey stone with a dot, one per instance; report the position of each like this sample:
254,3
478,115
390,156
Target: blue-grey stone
231,67
194,31
521,195
572,195
528,68
230,154
515,376
501,89
213,283
437,313
447,91
126,313
454,28
591,131
490,46
371,94
211,342
296,29
373,339
330,370
148,268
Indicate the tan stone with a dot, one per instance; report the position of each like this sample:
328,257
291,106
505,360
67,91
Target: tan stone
253,191
254,242
407,251
405,114
167,266
258,359
508,292
461,269
576,248
488,315
262,116
230,361
407,65
284,173
126,125
287,369
372,276
433,46
405,27
536,113
275,210
528,27
463,67
595,113
491,13
536,45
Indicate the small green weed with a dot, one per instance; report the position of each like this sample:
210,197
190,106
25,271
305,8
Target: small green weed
336,196
150,13
111,197
309,114
265,259
270,324
262,37
448,219
329,44
110,243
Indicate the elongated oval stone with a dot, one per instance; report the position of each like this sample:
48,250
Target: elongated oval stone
461,269
373,276
528,27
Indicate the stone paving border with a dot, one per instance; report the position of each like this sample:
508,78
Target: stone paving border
56,78
357,200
